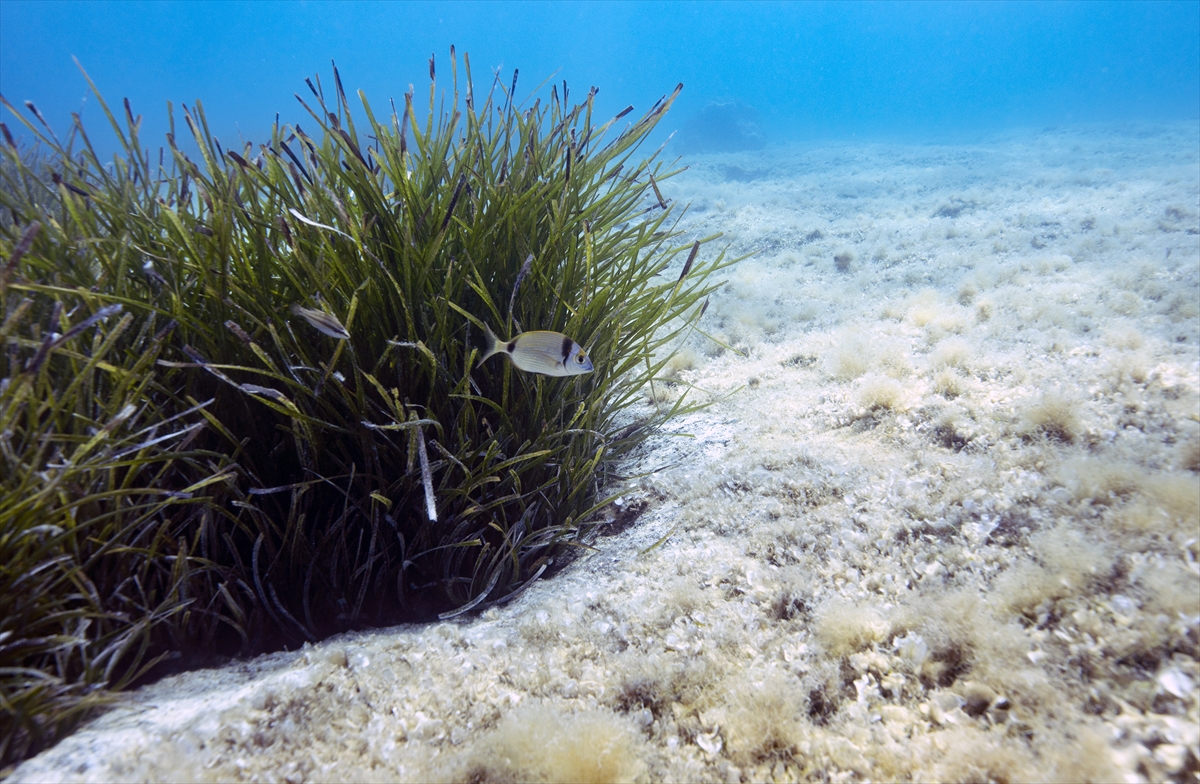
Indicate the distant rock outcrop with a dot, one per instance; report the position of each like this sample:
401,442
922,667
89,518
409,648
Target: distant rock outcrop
722,126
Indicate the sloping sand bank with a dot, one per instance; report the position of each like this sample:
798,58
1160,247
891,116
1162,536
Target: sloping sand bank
940,522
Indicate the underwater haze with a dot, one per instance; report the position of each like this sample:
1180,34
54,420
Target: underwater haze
914,71
935,515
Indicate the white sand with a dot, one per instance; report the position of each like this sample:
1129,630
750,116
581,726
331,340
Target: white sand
940,523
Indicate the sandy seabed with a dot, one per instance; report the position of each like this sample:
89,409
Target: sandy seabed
940,522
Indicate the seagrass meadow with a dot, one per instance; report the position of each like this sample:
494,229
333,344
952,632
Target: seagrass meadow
240,400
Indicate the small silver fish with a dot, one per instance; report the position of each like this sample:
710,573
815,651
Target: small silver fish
548,353
322,322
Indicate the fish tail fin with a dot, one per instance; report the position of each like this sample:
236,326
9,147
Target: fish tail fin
490,345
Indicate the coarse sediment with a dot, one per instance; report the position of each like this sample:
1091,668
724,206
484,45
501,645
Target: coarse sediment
940,522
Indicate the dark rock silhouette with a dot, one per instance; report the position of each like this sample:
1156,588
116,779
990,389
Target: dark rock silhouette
722,126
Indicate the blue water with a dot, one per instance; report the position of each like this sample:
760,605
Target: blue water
936,71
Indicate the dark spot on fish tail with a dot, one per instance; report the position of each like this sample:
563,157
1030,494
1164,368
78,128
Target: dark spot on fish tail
566,348
511,346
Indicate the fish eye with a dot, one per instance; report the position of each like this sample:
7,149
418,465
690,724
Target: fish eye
581,357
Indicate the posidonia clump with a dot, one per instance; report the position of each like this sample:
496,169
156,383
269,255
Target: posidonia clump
240,399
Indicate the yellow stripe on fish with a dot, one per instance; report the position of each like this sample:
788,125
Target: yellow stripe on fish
541,351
